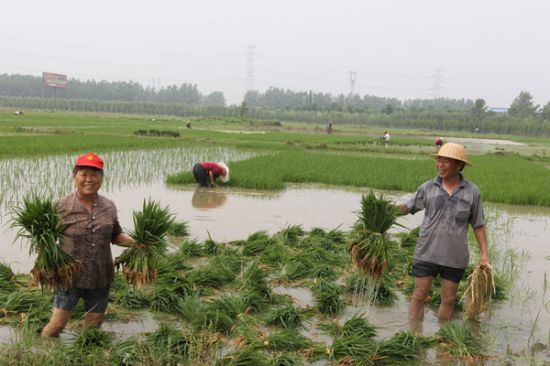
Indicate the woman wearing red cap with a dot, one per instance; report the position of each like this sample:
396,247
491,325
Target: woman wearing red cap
206,173
92,225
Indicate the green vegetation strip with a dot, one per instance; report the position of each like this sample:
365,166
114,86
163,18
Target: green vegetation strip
505,179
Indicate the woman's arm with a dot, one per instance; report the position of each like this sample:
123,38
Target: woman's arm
123,240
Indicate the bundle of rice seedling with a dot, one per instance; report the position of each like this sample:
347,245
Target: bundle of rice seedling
39,221
287,340
246,356
481,287
457,340
210,247
409,239
286,359
291,234
133,299
369,248
140,262
257,243
288,316
350,346
230,304
180,229
170,343
413,341
6,277
328,297
358,326
91,338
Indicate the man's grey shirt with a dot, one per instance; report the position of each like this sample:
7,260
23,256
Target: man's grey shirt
443,236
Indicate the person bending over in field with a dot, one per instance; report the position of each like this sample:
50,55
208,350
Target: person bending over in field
91,226
451,203
206,173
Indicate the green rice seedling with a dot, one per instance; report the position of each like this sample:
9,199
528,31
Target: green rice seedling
291,235
173,262
213,320
191,307
38,221
257,243
140,262
210,247
180,229
456,339
413,341
321,256
328,297
358,326
324,271
211,275
288,316
246,356
169,344
408,240
133,300
275,254
369,247
286,359
91,338
481,287
230,304
353,346
190,248
7,277
254,278
293,270
387,352
287,340
127,352
230,259
165,300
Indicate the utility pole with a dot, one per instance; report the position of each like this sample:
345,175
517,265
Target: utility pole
249,83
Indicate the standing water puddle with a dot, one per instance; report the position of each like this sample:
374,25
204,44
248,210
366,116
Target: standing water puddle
519,236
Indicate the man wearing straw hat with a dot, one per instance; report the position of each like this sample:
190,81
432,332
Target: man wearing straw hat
451,203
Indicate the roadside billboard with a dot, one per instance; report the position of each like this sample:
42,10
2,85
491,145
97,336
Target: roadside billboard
54,80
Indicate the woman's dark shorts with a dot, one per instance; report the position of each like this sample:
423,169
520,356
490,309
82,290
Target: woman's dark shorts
95,300
201,175
424,269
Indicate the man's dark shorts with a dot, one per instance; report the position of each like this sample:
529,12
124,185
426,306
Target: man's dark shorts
95,300
424,269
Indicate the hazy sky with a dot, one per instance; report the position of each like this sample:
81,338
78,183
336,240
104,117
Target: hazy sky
490,49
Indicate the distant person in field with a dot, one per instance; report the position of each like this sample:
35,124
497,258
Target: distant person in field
206,173
386,137
451,204
92,225
329,127
438,143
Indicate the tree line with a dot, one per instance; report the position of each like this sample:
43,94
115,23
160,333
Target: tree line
128,91
524,117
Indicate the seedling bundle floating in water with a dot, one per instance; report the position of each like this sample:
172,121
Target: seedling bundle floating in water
140,261
369,247
40,223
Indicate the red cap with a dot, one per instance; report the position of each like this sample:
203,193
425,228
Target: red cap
91,160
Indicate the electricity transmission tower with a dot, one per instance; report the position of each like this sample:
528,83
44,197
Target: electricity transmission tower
352,78
437,78
249,83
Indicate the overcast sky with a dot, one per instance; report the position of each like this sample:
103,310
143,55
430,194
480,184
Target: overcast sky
490,49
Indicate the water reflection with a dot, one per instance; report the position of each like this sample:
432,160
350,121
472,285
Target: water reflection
206,199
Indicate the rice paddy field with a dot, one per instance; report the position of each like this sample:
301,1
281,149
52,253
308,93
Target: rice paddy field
260,271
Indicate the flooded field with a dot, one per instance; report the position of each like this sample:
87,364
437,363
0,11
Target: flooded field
518,236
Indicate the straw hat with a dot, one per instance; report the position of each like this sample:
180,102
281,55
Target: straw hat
224,178
453,151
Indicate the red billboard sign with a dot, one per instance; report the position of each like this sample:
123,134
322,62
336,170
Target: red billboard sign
54,80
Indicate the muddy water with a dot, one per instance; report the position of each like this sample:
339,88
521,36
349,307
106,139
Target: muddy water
518,236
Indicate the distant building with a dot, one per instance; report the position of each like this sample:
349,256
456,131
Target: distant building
498,109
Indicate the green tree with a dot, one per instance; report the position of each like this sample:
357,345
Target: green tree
544,112
523,106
